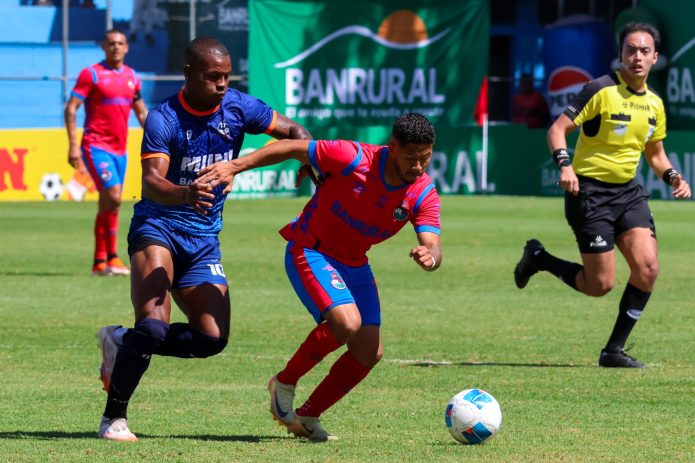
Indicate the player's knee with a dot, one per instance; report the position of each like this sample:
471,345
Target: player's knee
649,272
147,335
343,332
205,346
600,287
377,356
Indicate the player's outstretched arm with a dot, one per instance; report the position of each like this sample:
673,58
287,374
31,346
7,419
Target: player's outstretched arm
274,153
157,188
428,254
660,164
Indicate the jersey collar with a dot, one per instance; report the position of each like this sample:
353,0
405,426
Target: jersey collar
193,111
630,89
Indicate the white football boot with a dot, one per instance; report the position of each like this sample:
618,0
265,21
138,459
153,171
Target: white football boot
116,430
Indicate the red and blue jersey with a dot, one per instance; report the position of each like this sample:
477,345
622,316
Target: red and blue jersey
355,208
192,140
108,95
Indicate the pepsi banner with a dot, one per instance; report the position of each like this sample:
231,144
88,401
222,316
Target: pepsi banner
355,63
575,53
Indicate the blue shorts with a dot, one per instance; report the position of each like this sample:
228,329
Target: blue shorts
106,169
322,283
196,258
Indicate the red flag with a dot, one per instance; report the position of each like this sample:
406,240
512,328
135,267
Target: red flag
481,105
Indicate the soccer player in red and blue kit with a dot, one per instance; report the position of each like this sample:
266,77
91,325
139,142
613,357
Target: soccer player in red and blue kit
109,90
366,194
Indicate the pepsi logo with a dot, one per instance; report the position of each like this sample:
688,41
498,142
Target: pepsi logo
564,84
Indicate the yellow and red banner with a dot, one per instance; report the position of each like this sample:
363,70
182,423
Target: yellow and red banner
34,166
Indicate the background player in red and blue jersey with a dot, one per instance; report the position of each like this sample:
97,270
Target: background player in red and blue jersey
173,242
366,195
109,90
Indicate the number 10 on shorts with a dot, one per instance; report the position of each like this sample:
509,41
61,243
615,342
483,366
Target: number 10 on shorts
216,269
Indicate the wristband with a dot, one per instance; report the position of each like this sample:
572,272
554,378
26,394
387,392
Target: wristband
561,158
670,175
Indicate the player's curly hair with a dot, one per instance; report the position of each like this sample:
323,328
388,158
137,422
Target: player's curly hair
631,27
413,128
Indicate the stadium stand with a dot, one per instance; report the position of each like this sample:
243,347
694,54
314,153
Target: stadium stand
31,50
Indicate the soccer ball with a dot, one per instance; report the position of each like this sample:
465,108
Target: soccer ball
473,416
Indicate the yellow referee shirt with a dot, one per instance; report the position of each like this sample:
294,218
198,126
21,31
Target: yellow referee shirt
616,123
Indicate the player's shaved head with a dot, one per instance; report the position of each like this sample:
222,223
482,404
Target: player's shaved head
202,46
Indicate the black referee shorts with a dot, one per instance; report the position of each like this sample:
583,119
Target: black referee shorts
602,211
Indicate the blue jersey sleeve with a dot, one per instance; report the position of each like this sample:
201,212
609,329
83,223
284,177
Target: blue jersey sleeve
258,115
158,133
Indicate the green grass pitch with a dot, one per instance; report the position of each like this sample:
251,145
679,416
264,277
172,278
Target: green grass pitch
463,326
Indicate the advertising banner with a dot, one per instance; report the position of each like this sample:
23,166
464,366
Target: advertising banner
678,47
569,72
348,63
34,167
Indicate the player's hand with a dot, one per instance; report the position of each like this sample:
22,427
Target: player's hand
423,257
681,189
75,157
200,196
569,181
304,172
218,173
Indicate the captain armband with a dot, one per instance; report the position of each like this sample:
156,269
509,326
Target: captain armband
561,158
670,175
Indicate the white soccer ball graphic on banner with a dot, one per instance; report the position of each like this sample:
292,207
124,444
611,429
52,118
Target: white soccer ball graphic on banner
51,186
473,416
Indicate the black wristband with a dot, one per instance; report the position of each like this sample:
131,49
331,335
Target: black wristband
561,158
670,175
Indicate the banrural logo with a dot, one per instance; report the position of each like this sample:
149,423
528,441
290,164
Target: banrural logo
680,92
357,88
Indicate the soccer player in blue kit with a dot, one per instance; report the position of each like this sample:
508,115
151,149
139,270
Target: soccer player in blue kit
173,240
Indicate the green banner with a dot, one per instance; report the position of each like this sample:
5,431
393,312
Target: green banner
265,182
518,162
339,63
678,47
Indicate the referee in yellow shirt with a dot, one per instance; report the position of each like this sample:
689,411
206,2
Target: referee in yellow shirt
620,117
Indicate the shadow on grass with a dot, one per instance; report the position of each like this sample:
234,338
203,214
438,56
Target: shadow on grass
39,274
50,435
495,364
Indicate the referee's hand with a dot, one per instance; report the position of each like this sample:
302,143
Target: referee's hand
569,181
681,189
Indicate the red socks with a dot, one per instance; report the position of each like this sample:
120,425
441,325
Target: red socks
111,223
345,374
100,238
317,345
105,235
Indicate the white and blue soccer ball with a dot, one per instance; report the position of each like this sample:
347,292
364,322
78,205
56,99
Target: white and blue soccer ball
473,416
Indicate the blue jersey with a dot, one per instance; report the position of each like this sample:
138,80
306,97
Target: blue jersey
193,140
